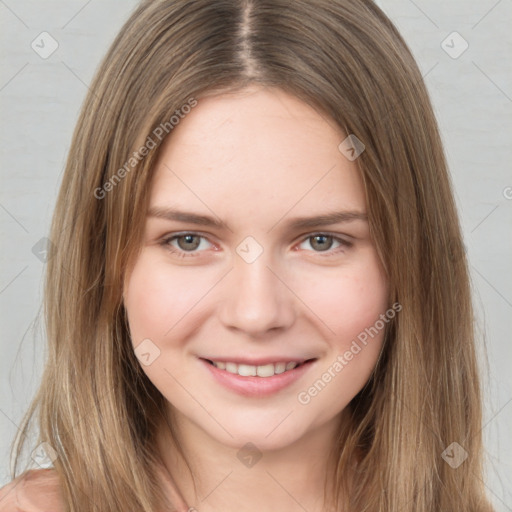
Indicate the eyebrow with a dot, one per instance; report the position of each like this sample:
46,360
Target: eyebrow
325,219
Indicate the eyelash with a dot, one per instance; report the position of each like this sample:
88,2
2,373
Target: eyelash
166,242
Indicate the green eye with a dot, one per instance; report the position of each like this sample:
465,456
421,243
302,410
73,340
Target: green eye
323,242
186,244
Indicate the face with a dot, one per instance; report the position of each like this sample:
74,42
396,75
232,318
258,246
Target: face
247,307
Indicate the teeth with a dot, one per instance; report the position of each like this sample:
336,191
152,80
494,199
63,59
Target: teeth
247,370
280,368
231,367
265,371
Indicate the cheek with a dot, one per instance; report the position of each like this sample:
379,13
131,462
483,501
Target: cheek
157,297
350,303
359,305
349,300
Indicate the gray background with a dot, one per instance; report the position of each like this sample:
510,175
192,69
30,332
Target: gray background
472,97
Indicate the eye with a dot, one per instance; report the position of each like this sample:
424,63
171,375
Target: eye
323,243
191,244
184,244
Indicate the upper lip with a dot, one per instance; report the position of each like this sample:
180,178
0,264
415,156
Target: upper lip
258,361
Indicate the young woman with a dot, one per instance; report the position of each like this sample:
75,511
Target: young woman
258,297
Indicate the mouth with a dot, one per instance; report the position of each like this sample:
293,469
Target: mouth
263,370
257,381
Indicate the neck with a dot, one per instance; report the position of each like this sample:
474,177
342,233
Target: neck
292,478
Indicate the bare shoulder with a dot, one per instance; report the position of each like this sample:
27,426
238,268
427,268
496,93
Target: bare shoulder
35,490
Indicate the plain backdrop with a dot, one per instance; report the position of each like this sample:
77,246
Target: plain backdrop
464,51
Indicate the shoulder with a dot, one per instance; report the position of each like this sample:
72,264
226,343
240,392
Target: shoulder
36,490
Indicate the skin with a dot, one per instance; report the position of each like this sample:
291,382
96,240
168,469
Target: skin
255,160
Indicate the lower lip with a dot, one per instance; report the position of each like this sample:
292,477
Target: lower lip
257,386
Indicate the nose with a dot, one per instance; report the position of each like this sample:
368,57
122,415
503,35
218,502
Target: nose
256,298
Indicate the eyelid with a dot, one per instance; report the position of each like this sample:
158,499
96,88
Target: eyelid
167,239
338,236
344,243
177,234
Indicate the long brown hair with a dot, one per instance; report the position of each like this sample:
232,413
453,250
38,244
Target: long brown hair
95,405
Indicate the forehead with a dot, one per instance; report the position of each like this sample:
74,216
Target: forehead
259,152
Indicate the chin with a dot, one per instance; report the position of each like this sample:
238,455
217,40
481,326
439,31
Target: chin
267,431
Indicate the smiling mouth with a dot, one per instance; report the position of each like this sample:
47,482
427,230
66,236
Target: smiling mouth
266,370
